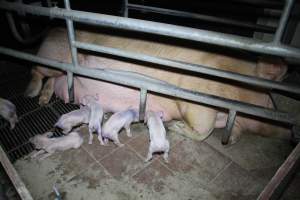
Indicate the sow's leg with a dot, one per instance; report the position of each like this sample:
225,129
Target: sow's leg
200,120
36,83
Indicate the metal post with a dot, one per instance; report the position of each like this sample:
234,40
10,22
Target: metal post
125,14
143,100
283,20
71,36
229,126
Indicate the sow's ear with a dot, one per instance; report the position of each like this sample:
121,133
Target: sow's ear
271,68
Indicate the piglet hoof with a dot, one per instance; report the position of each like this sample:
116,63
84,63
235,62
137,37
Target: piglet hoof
90,142
119,144
166,160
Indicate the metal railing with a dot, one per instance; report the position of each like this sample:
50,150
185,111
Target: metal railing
145,83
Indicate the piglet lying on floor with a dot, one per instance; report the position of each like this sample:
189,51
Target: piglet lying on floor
157,132
8,112
77,117
48,146
116,122
96,116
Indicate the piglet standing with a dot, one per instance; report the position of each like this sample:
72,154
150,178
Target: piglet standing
96,116
8,112
157,131
48,145
77,117
116,122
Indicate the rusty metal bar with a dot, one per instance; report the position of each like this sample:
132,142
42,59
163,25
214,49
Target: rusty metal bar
274,188
14,177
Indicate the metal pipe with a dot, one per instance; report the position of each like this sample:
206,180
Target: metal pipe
71,36
143,101
252,26
262,3
204,36
283,20
157,86
125,8
229,126
14,177
190,67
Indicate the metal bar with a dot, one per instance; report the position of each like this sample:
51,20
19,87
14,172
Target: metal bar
252,26
148,83
229,126
283,20
204,36
190,67
125,8
262,3
143,101
274,188
71,36
14,177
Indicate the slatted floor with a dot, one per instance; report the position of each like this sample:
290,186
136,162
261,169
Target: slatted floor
33,118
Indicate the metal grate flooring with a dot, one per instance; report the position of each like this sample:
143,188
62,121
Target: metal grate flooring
33,118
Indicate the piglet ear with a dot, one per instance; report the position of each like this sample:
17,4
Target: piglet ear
271,68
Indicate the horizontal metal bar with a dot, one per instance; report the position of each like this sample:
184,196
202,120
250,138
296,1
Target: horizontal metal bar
14,177
208,18
190,67
204,36
150,84
283,20
262,3
274,188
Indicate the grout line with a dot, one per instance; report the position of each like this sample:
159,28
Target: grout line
220,172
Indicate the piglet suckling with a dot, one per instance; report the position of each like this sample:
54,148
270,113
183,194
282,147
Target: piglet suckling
77,117
96,116
157,132
116,122
8,112
47,145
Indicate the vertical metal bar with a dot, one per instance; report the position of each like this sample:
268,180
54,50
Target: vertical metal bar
71,36
125,8
283,20
229,126
143,100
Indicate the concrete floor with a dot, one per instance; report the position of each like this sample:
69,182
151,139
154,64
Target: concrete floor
197,170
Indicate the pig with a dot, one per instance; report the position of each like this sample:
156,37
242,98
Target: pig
47,145
199,119
8,112
116,122
157,133
96,116
74,118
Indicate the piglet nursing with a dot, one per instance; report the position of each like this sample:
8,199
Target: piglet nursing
116,122
77,117
157,132
96,116
48,146
8,112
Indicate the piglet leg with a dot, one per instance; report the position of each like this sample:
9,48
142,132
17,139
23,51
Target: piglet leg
127,129
117,141
35,154
100,137
91,136
46,155
150,152
166,153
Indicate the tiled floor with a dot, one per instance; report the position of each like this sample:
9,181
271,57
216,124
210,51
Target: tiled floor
196,170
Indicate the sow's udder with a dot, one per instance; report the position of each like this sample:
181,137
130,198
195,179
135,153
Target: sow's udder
114,98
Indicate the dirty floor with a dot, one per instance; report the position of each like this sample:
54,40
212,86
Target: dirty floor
196,170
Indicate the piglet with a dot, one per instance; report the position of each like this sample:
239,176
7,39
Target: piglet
96,116
8,112
116,122
157,131
77,117
45,144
